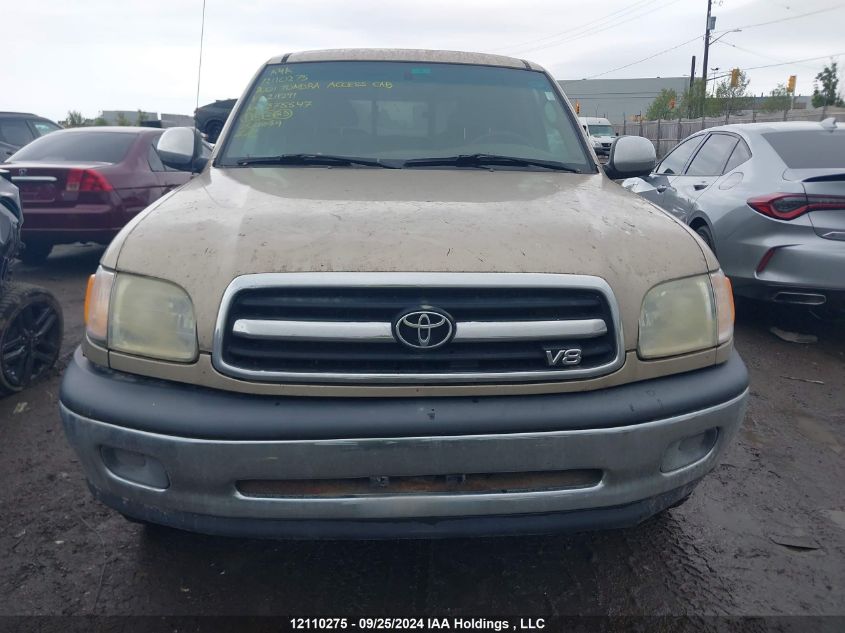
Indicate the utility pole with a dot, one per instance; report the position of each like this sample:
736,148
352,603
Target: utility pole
692,74
199,66
707,45
691,86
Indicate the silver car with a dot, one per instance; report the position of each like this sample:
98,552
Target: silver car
769,200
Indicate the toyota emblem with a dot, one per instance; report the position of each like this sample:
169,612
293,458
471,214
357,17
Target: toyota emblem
424,329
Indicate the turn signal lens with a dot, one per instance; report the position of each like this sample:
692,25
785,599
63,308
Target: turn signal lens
723,294
97,305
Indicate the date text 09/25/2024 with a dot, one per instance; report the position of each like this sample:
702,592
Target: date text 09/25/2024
420,624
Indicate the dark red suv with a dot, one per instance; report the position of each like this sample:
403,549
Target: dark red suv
85,184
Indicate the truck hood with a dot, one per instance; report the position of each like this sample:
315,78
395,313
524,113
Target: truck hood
231,222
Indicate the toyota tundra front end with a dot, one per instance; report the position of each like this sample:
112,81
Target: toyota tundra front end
402,300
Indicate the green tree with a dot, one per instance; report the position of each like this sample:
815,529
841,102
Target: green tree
664,106
100,120
75,119
122,120
730,99
777,101
828,94
692,101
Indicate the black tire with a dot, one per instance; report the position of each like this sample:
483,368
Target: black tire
35,253
212,130
704,233
31,327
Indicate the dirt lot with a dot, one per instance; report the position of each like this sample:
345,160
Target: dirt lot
732,549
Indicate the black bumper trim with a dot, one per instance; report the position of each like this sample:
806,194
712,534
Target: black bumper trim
176,409
613,517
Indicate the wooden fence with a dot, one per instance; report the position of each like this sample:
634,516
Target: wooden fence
666,133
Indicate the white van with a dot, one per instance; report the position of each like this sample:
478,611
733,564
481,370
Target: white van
600,132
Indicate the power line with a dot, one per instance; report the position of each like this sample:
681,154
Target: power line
747,26
597,29
575,28
603,98
786,19
589,26
794,61
634,95
644,59
758,54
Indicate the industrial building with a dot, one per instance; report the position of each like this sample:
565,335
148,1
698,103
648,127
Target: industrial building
618,99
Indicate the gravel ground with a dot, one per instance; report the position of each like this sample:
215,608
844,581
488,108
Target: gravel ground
722,553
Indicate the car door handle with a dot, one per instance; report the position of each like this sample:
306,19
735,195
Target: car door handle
661,188
699,186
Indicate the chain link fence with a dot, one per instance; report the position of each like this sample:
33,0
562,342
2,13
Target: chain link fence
667,133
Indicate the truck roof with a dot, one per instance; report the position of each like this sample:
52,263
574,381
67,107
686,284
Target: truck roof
404,55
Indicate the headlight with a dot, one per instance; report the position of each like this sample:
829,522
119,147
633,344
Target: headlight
146,317
686,315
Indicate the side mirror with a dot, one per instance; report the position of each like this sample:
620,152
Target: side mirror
182,148
630,156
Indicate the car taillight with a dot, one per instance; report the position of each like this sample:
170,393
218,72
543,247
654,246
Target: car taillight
86,180
788,206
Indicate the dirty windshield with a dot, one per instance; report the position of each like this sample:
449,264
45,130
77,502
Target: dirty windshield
395,112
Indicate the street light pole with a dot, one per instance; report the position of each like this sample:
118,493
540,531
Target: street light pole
706,46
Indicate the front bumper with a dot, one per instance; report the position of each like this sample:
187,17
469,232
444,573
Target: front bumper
218,447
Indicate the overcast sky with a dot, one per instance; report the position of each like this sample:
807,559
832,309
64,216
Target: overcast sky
91,55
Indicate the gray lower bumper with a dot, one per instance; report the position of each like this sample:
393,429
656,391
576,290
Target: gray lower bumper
613,517
202,494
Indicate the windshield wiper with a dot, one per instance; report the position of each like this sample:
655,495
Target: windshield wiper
314,159
478,160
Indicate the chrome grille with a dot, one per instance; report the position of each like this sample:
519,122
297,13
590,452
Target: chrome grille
339,327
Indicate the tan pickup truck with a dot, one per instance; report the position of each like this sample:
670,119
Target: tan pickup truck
402,299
